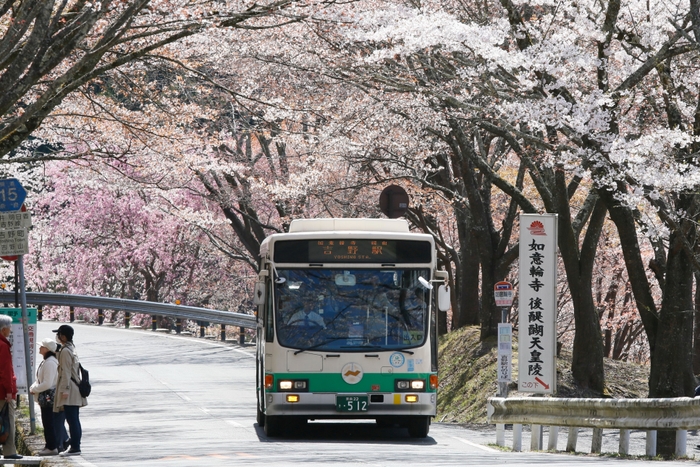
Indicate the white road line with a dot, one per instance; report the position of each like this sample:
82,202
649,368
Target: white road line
80,461
480,446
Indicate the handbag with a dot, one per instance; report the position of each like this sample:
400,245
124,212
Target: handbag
45,398
5,422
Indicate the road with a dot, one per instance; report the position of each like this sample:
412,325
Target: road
172,401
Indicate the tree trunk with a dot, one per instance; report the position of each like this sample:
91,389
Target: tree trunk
696,327
468,285
671,372
587,359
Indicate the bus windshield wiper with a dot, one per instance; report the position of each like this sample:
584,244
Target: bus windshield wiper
315,346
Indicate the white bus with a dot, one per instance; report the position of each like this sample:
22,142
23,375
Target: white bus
346,325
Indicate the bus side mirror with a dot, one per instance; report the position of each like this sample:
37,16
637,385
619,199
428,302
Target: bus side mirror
443,298
259,293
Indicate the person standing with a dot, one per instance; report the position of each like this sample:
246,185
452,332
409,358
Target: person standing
8,385
46,376
68,398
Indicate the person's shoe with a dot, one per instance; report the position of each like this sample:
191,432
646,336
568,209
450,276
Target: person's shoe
69,452
13,456
48,452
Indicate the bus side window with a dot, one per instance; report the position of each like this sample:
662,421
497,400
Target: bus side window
269,318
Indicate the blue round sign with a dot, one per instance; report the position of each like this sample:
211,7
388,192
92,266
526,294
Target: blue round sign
12,195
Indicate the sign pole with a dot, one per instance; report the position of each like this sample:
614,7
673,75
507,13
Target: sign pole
503,296
27,353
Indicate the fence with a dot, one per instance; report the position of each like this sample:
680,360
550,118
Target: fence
679,414
138,306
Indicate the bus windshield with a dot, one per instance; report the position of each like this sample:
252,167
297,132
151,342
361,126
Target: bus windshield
349,310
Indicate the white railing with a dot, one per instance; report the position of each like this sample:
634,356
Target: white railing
680,414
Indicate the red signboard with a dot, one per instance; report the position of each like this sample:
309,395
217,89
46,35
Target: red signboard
503,293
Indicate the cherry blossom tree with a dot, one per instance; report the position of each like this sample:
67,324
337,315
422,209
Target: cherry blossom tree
98,235
50,49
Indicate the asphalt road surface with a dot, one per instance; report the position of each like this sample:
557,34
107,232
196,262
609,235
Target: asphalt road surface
172,401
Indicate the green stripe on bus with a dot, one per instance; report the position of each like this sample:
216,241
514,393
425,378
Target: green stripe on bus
333,382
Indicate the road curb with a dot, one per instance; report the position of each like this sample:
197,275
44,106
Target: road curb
30,445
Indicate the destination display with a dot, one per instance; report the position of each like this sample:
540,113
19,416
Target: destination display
352,251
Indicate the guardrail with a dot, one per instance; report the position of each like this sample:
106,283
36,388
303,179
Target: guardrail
680,414
137,306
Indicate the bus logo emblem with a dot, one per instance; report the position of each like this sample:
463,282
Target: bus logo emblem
397,360
352,373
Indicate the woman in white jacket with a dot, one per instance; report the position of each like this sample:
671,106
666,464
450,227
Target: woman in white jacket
46,376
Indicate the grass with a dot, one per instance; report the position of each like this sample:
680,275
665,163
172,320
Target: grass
467,376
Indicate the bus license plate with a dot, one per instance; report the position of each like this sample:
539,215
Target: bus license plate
351,403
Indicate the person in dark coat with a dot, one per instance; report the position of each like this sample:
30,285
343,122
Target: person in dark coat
8,385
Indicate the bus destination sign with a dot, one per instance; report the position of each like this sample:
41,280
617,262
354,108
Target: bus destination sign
374,251
353,251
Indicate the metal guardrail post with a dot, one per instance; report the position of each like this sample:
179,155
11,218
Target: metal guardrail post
651,443
624,448
154,322
71,313
597,441
517,437
536,438
241,335
127,319
572,439
100,317
178,326
681,442
201,329
40,313
223,332
553,438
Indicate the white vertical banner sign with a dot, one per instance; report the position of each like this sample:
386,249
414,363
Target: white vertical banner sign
19,359
537,338
505,352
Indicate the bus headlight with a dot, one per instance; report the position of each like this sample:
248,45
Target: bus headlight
404,385
285,385
418,385
293,385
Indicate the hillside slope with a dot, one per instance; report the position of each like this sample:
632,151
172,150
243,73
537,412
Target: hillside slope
467,376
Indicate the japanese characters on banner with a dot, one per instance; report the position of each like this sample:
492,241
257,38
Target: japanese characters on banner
17,341
537,338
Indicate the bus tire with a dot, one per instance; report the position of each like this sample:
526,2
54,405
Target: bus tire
274,426
418,426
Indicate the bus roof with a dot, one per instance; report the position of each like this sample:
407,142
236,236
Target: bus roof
331,224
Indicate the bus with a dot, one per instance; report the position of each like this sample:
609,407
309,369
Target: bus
346,327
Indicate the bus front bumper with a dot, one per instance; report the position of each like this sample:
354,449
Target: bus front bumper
324,405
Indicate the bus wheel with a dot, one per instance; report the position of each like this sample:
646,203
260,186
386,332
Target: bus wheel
273,426
418,426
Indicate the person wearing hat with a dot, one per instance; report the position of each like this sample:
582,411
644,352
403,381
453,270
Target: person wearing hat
46,376
8,385
68,398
